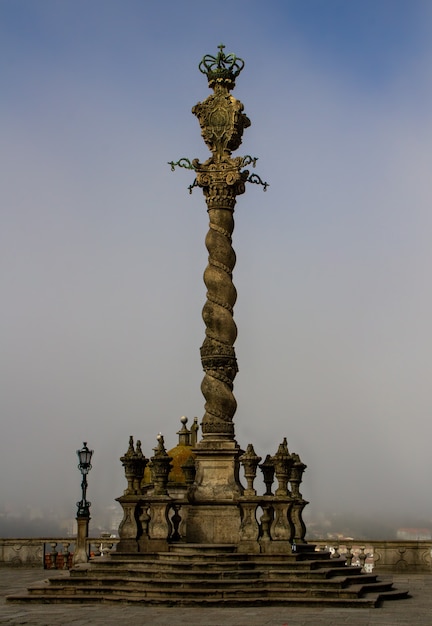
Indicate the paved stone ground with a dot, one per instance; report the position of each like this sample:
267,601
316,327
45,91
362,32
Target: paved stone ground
415,611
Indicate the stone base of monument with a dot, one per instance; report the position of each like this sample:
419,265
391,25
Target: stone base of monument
212,524
192,535
218,576
213,515
217,469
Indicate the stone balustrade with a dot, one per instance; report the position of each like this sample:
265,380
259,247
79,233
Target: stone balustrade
381,556
49,552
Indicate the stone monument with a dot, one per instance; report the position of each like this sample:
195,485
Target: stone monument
207,503
192,533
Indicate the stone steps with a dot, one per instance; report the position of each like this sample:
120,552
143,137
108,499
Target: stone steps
173,560
163,584
204,589
304,569
180,600
199,596
228,575
200,577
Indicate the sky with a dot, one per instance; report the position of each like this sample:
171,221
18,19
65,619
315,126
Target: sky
102,247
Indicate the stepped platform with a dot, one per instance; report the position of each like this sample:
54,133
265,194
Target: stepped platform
417,609
206,576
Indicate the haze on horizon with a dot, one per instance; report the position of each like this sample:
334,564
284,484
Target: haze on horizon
102,247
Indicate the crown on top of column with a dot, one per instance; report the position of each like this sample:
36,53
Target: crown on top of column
222,68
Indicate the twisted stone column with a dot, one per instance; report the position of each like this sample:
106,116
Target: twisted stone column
217,352
222,123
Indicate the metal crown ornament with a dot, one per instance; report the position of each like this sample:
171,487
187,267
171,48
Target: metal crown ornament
221,68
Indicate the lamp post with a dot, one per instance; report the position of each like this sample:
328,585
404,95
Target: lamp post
83,513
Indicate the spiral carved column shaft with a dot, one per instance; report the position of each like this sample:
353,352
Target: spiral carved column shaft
217,352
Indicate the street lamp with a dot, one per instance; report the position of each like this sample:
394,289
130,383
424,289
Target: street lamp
83,514
84,466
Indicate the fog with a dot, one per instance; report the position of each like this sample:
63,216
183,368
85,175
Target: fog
102,247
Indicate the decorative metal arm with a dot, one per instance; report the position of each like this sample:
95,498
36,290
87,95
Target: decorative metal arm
194,184
254,178
248,160
183,162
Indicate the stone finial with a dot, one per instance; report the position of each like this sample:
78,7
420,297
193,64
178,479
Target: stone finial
250,461
194,432
140,463
268,470
283,447
131,449
134,463
160,466
282,462
184,433
127,462
189,470
296,475
159,450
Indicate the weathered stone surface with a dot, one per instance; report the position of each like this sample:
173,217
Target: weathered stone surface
213,524
217,472
403,556
216,576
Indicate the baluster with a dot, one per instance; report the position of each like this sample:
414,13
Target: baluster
54,554
128,529
46,558
266,520
362,557
349,555
175,521
281,528
66,554
144,519
104,544
249,529
159,525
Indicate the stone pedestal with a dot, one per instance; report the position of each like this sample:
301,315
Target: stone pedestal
213,524
81,552
128,529
217,471
215,515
